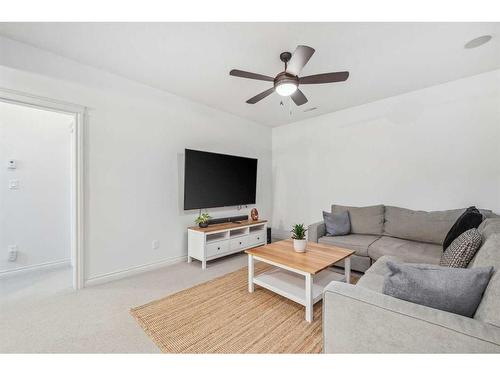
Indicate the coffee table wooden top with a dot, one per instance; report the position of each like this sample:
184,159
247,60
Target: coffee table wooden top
316,258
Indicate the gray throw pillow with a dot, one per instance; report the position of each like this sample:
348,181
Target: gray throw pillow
462,249
337,224
457,290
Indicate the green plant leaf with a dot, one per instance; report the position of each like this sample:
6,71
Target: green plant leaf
203,218
298,232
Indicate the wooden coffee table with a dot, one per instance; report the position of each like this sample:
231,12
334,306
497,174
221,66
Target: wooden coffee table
287,278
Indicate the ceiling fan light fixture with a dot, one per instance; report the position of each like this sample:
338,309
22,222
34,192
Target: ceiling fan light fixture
286,88
287,82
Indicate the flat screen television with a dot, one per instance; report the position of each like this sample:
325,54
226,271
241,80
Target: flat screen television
218,180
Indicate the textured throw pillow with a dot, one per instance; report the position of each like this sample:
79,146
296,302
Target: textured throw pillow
471,218
456,290
337,224
462,249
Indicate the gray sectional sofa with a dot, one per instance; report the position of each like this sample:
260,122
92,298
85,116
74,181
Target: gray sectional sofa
361,319
413,236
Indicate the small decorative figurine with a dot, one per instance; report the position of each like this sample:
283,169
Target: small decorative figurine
254,214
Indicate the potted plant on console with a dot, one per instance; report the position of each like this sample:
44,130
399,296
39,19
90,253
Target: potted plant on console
202,219
299,238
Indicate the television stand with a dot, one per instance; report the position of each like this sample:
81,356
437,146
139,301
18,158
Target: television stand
218,240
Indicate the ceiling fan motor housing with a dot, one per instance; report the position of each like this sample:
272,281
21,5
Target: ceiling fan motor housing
285,77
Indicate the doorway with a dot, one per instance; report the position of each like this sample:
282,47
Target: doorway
41,194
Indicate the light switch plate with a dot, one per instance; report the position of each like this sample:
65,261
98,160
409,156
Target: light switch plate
14,184
12,253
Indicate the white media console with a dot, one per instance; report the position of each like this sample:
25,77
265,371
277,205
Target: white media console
219,240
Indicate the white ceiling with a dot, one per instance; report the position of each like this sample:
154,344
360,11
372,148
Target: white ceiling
194,59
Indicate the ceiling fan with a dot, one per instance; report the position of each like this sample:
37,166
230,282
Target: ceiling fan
287,82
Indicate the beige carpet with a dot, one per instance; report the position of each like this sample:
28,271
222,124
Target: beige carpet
220,316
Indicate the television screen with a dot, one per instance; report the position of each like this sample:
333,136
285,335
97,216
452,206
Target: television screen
218,180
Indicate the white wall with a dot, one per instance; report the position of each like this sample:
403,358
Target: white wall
35,217
436,148
431,149
134,142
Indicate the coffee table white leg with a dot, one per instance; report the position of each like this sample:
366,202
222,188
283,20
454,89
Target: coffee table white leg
347,270
309,299
250,273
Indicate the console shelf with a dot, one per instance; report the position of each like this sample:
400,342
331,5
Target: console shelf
219,240
214,237
257,228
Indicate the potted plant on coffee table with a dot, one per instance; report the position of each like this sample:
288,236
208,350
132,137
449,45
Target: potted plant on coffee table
299,238
202,220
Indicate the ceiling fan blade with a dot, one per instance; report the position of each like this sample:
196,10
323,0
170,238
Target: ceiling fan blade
324,78
243,74
298,97
260,96
299,59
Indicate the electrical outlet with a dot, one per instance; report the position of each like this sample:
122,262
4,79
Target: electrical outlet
155,244
12,253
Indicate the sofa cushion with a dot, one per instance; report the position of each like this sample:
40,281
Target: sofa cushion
337,224
488,214
408,251
358,263
421,226
380,266
372,281
373,278
364,220
489,255
489,227
456,290
357,242
462,249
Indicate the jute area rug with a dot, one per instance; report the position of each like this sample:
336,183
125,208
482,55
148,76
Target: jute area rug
220,316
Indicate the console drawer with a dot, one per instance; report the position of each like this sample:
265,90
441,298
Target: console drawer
215,248
239,243
257,238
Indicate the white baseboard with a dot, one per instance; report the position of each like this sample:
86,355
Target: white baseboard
35,267
116,275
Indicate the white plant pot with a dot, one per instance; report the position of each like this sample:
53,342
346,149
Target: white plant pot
299,245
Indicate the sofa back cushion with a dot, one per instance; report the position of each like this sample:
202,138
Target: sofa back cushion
364,220
422,226
489,255
489,227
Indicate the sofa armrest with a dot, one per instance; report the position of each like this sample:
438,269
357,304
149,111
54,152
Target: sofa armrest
359,320
316,231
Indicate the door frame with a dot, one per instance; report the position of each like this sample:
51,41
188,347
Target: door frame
77,169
